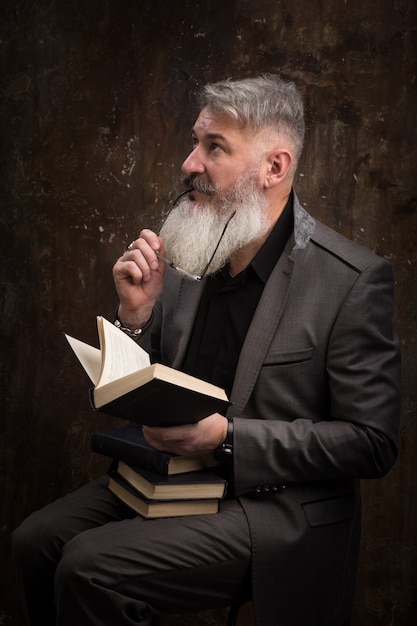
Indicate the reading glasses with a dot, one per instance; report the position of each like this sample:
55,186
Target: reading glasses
204,272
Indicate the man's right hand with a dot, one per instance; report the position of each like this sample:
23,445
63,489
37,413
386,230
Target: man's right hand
138,277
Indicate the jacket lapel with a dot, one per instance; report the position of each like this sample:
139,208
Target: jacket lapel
261,331
268,312
186,295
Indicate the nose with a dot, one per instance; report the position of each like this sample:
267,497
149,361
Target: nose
193,164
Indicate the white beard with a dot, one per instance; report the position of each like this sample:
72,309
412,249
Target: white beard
191,230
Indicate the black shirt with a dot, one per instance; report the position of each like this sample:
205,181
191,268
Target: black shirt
227,306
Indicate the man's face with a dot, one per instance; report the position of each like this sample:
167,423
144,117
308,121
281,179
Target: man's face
221,155
223,172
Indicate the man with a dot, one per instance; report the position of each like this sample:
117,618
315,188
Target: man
296,323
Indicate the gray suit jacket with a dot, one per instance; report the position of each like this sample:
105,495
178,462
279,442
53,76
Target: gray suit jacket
316,401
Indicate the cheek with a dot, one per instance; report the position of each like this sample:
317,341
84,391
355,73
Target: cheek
225,177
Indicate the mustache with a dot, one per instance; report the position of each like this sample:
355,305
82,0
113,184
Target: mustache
194,181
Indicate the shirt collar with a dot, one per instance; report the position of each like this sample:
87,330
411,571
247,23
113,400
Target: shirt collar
268,255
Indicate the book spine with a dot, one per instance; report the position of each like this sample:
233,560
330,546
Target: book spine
131,454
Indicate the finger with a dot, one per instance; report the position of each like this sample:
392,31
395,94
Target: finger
147,253
143,251
151,239
153,440
137,263
129,270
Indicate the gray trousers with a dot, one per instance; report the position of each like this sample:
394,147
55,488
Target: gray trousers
88,560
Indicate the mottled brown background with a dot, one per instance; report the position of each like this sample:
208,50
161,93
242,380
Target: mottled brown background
97,103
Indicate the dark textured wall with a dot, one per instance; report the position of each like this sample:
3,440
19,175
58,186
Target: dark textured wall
97,103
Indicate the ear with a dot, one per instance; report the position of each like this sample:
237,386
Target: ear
278,164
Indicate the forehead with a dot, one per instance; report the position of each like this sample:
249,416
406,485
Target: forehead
211,124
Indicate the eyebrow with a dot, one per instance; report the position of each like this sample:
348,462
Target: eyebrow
216,136
211,136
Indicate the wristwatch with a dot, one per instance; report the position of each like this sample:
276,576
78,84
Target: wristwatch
225,451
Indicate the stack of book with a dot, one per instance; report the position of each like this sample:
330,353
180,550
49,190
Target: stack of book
159,484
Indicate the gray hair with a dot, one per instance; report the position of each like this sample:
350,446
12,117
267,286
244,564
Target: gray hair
257,103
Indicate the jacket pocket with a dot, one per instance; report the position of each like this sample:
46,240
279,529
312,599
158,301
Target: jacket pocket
288,358
329,511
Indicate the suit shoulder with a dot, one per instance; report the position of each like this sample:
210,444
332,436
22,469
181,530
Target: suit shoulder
348,252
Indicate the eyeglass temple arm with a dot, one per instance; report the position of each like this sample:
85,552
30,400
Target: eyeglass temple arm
217,246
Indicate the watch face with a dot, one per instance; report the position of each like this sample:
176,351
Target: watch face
224,452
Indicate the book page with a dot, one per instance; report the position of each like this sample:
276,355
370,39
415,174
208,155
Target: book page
120,354
89,357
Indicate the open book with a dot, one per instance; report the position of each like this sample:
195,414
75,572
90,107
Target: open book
126,385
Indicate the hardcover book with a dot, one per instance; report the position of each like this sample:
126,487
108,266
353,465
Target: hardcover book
191,486
128,444
154,508
126,385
